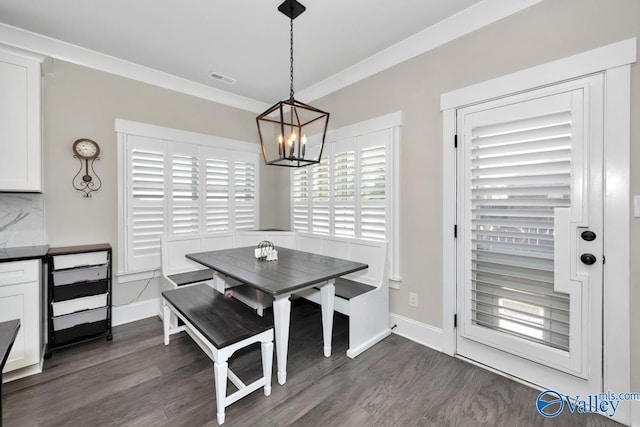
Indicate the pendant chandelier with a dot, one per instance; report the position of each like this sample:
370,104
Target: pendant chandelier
292,133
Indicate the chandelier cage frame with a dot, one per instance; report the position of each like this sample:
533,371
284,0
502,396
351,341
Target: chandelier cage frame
302,121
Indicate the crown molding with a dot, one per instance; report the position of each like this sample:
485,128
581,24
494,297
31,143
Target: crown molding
42,45
475,17
466,21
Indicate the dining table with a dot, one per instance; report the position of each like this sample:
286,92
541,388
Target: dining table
294,270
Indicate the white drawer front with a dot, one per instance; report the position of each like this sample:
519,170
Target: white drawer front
76,275
71,320
85,303
78,260
16,272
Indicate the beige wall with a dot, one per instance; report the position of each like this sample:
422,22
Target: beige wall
79,102
548,31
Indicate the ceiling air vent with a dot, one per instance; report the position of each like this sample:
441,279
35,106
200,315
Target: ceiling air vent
222,78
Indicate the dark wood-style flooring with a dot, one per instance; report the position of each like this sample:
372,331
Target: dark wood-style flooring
135,380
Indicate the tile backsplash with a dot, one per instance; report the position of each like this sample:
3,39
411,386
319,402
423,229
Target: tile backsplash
21,220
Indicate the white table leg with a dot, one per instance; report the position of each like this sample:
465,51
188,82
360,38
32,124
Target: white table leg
281,317
327,293
218,282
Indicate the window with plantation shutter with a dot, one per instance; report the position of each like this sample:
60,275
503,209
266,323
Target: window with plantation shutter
194,186
348,194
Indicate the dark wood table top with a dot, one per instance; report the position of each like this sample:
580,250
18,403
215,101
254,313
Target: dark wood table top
294,270
8,333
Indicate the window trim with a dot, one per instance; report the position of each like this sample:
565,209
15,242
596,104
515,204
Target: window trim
393,123
124,128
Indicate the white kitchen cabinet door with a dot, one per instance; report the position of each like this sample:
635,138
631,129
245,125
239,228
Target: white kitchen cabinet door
20,128
20,299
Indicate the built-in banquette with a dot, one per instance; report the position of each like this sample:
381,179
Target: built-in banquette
363,295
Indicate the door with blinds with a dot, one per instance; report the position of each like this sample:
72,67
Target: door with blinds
530,235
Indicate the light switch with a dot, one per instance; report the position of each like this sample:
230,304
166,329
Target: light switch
636,206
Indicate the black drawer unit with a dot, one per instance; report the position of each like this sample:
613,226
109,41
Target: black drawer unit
78,295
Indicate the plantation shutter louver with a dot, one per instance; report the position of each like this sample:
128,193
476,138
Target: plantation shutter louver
244,194
344,190
373,185
300,198
321,196
146,208
185,185
216,191
520,173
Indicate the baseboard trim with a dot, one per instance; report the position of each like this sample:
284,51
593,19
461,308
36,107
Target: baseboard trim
136,311
419,332
353,352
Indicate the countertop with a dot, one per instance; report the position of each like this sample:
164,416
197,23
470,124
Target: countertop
23,253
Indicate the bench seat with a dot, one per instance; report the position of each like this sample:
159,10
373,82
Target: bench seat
220,326
348,289
223,321
190,277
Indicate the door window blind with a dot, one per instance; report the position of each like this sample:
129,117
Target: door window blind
520,172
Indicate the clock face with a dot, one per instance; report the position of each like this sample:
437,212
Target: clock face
86,148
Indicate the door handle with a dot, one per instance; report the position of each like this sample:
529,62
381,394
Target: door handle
588,235
588,259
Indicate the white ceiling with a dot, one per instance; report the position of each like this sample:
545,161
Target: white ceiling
247,40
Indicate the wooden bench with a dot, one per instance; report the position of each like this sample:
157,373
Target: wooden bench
220,326
363,296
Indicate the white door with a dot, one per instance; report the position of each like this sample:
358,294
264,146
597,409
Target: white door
530,235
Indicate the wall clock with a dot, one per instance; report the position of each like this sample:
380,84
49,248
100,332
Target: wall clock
87,152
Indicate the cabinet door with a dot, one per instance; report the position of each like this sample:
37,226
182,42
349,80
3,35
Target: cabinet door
20,299
20,163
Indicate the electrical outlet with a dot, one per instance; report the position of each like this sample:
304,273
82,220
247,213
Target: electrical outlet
413,299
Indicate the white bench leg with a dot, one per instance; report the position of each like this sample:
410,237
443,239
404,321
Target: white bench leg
166,321
327,294
220,374
267,365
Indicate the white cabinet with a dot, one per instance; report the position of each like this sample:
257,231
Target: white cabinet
20,118
20,299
